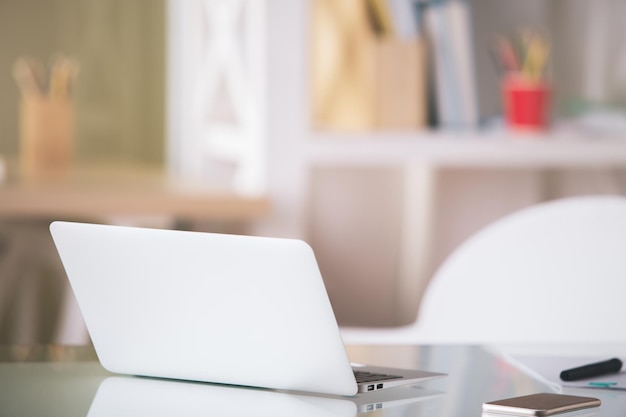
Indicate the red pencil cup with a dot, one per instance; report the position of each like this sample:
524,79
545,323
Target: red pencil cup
526,103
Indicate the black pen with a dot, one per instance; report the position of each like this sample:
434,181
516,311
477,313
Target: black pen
592,370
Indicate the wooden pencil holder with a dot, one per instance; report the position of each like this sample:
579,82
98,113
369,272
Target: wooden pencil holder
46,136
400,84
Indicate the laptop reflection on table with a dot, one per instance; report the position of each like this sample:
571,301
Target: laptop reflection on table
139,397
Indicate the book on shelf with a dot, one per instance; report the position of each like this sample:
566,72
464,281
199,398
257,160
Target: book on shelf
448,28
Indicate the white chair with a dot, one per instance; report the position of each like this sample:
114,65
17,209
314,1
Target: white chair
552,273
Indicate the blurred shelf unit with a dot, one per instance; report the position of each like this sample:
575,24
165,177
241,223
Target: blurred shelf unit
313,83
374,67
356,89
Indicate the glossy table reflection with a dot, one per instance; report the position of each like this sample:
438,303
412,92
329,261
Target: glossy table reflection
68,381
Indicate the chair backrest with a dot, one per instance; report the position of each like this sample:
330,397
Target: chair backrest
551,273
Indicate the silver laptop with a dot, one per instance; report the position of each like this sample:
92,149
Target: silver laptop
218,308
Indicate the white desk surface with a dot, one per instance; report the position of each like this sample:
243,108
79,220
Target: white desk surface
70,382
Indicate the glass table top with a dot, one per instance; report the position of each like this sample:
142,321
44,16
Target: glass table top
68,381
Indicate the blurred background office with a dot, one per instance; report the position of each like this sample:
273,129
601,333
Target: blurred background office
376,130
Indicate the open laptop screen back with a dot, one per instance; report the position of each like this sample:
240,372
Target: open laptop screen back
208,307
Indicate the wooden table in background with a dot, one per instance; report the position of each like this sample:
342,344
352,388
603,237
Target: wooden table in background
104,191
